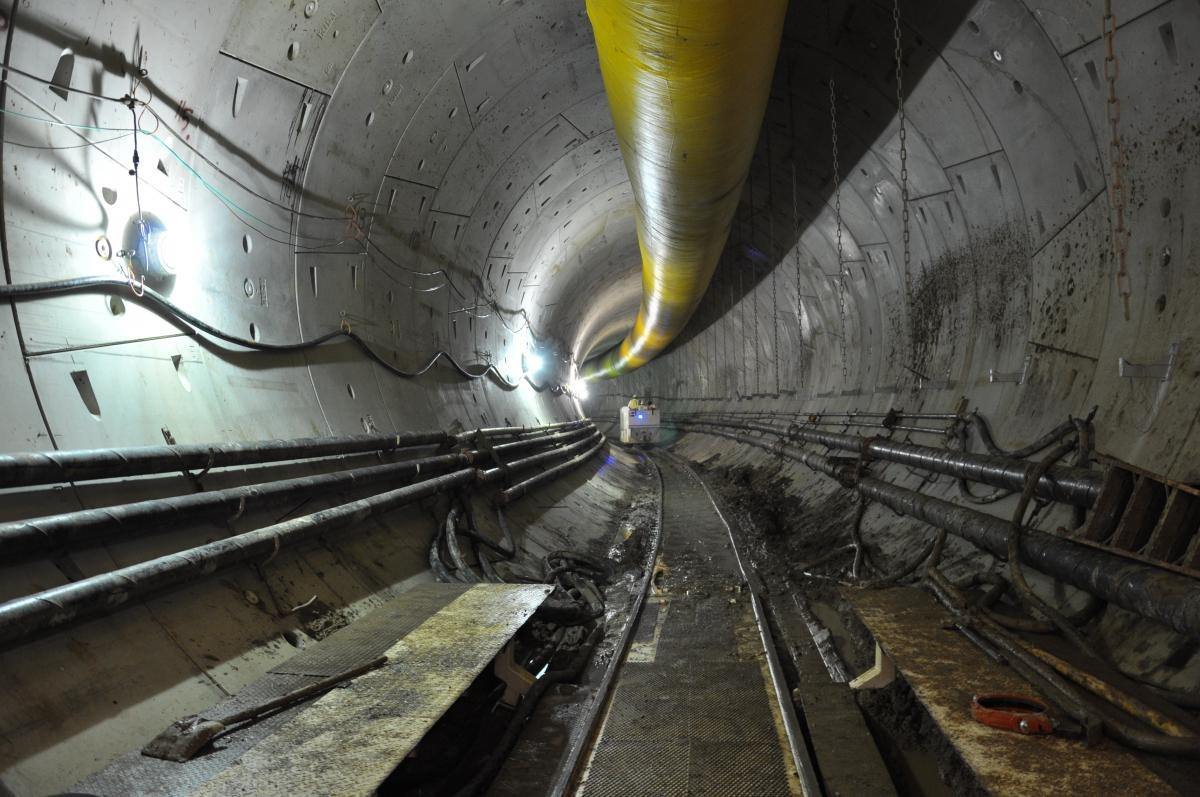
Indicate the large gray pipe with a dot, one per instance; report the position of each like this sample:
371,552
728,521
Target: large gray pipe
1153,592
56,607
521,488
24,538
553,455
49,467
1077,486
502,451
1163,595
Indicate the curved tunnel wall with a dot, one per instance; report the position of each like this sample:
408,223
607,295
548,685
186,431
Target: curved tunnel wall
353,159
1012,270
475,139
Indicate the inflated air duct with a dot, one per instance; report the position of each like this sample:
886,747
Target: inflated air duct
687,83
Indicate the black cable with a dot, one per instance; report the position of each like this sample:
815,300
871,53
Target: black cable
71,89
164,307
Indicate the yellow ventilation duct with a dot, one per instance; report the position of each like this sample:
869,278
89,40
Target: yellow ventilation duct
687,82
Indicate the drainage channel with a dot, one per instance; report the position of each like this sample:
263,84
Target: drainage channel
699,705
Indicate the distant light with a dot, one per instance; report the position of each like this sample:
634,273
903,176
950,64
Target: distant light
579,389
534,363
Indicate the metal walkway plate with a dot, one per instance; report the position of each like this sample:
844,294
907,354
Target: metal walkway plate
694,709
349,741
362,641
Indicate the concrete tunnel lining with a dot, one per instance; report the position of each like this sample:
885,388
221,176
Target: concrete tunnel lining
445,176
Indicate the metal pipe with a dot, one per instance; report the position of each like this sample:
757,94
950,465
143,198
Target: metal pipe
503,450
1162,595
496,474
519,489
23,538
59,606
510,431
1078,486
49,467
1170,598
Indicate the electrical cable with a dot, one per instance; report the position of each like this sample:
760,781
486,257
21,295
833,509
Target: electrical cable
52,84
238,211
164,307
236,208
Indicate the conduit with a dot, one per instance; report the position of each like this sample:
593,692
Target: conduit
24,538
98,594
1074,485
521,488
687,83
1162,595
496,474
48,467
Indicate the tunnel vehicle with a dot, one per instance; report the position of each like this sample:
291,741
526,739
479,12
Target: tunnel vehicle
640,422
329,463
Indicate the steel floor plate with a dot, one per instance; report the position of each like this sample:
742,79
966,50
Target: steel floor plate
693,710
369,637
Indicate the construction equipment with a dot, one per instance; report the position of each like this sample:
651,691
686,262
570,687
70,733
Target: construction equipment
639,422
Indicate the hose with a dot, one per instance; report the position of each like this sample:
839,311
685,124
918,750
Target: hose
1066,694
1051,437
166,309
1016,574
462,571
569,672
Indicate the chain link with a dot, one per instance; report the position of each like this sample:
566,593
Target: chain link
837,207
1116,156
907,265
799,297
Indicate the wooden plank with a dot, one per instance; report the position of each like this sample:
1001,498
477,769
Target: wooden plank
944,670
1176,527
348,742
1141,514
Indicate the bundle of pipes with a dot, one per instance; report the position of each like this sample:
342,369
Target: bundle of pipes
52,608
883,421
1073,485
1163,595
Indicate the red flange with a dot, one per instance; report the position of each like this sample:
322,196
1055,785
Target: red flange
1020,713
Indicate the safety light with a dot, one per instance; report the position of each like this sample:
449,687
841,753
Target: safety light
156,253
534,363
171,250
579,389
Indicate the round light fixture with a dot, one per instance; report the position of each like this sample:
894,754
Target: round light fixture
534,363
156,253
579,389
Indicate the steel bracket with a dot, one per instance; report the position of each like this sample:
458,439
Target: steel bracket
1012,376
1160,371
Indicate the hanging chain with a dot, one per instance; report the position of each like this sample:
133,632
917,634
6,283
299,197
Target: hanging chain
837,207
908,294
774,303
799,298
1116,156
